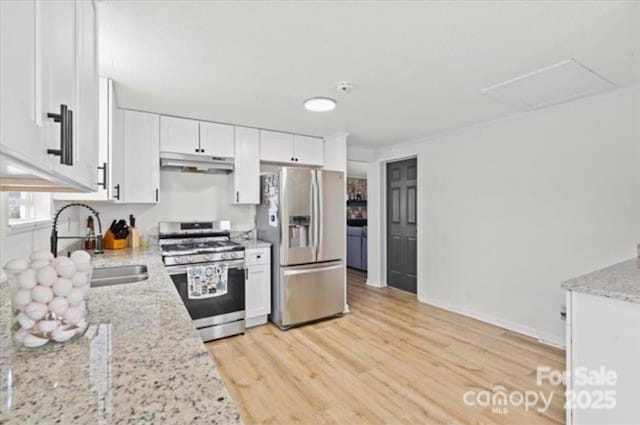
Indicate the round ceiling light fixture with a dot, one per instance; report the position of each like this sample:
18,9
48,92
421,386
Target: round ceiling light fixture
320,104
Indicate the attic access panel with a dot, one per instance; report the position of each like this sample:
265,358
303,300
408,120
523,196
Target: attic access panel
561,82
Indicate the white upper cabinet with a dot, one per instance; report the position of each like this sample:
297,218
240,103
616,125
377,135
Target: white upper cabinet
276,147
216,139
308,150
48,79
140,157
244,182
20,83
293,149
179,135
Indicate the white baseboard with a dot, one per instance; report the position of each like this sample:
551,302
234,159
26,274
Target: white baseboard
375,284
543,337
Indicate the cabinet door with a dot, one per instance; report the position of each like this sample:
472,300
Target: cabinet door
20,83
276,147
179,135
141,157
246,174
258,291
86,115
216,139
309,150
116,151
58,35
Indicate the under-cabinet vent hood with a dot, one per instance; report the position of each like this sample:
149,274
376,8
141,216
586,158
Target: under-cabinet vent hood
195,163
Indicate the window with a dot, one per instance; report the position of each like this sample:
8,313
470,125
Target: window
28,208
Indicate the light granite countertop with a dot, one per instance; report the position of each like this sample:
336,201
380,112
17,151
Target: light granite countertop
252,243
141,361
620,281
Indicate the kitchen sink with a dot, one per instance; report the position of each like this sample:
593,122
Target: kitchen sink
107,276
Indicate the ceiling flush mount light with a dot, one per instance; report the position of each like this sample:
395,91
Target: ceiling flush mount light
319,104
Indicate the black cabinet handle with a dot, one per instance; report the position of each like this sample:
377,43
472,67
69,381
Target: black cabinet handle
65,118
117,194
237,196
104,176
156,195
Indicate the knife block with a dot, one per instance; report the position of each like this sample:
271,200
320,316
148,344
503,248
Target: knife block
110,242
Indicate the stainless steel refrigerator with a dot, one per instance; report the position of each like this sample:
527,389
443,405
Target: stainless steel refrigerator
302,213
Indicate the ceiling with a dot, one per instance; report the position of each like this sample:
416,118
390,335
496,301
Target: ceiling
417,67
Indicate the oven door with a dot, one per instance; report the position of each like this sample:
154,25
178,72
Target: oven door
216,310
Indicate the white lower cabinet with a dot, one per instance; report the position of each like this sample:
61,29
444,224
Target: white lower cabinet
258,286
603,360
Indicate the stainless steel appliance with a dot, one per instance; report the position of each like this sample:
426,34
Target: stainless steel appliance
302,213
209,273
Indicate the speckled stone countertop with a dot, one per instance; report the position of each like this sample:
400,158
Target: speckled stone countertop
141,361
252,243
620,281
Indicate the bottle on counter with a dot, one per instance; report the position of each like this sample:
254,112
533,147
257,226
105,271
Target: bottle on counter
90,239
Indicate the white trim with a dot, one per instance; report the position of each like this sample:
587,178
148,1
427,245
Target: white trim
376,284
28,225
543,337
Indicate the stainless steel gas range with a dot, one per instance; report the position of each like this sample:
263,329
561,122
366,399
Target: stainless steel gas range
209,273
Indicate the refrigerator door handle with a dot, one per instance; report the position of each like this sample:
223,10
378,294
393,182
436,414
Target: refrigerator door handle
320,209
315,212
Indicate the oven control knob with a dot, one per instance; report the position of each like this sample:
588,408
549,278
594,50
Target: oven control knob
210,257
224,255
181,259
234,255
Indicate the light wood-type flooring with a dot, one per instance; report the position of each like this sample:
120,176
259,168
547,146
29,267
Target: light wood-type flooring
390,360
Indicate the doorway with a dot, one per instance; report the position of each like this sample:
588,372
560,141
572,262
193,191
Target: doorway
402,194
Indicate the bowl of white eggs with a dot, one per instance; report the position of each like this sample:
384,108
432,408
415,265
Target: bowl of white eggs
49,297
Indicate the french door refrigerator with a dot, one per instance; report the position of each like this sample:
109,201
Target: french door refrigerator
302,213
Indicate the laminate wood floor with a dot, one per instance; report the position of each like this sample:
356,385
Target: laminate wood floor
391,360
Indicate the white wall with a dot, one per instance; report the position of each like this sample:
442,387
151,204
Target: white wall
183,197
510,209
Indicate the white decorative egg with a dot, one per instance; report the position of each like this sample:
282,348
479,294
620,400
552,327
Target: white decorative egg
38,264
42,294
27,279
66,269
84,267
74,315
48,326
22,298
41,255
16,264
79,279
58,305
46,275
25,321
62,286
75,297
85,290
80,257
35,311
61,335
31,341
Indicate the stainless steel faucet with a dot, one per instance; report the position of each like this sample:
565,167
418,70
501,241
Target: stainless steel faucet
54,230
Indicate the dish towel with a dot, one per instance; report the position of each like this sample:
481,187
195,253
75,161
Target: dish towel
207,281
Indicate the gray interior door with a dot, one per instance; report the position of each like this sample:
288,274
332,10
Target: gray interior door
402,195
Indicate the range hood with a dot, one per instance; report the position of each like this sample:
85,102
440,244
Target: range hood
195,163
